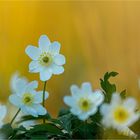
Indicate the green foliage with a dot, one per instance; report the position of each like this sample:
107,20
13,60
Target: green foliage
108,88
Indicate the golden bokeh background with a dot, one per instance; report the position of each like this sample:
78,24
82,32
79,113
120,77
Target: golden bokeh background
96,36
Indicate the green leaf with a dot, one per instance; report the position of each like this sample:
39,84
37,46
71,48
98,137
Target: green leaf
66,121
48,128
63,111
88,131
107,86
7,130
123,94
29,117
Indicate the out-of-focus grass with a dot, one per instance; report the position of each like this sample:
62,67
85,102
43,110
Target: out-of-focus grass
95,36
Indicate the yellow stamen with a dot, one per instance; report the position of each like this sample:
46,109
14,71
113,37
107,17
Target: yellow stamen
27,99
84,104
121,114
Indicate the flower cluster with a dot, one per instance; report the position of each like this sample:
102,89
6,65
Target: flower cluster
91,112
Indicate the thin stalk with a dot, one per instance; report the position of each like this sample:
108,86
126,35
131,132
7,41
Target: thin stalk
15,116
43,102
85,123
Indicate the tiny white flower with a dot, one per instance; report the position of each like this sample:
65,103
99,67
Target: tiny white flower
119,114
3,112
84,102
28,99
46,58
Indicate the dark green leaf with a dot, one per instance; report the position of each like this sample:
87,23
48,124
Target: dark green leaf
107,86
7,130
63,111
48,128
123,94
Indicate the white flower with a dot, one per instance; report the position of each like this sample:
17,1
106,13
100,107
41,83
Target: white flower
28,99
84,102
3,112
16,82
119,114
46,58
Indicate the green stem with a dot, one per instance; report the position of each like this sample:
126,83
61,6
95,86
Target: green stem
15,116
43,102
85,123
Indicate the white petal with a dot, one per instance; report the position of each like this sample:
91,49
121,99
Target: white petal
15,100
40,109
54,47
130,104
74,90
3,111
32,86
33,52
44,43
57,69
28,124
45,75
29,110
97,97
75,111
39,96
18,84
69,101
35,67
59,59
86,87
83,116
105,109
134,117
92,111
116,99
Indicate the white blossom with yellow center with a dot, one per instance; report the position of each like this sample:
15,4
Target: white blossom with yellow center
119,114
84,102
3,112
27,98
46,58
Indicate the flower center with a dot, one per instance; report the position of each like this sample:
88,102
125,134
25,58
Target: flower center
121,114
27,99
45,59
84,104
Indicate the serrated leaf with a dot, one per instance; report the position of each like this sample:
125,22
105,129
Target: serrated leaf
107,86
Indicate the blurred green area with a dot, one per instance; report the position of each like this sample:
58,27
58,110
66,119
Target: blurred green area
95,36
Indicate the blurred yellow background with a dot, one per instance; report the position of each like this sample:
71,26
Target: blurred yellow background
96,36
